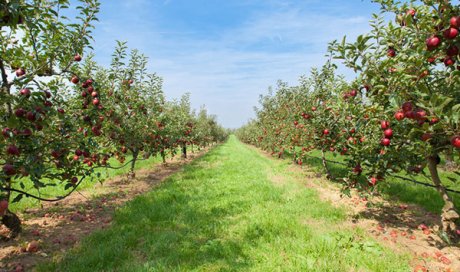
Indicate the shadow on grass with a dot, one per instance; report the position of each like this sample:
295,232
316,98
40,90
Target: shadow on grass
163,230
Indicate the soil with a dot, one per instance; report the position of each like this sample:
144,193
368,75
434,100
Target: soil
50,231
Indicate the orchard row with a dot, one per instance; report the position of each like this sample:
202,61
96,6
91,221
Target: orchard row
63,115
400,114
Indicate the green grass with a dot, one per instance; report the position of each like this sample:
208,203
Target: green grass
59,190
231,210
394,188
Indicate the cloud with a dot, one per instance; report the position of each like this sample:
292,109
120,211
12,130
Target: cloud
229,71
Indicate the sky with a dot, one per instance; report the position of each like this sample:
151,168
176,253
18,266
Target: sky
228,52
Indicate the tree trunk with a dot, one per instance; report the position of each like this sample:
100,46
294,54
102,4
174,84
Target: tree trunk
326,168
13,223
163,156
449,215
184,151
131,173
192,148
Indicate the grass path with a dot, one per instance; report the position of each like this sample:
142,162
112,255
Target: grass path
231,210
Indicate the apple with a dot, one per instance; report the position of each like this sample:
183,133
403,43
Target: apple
357,169
56,154
25,92
420,114
47,94
90,89
13,150
353,93
326,132
26,132
433,42
78,152
431,59
399,115
313,108
31,116
77,58
3,205
411,12
32,247
388,133
74,180
9,169
384,124
61,110
6,132
407,106
94,94
20,112
452,50
84,94
455,22
76,157
75,80
96,101
426,136
391,52
373,181
456,141
385,142
47,103
449,61
89,82
434,120
450,33
20,72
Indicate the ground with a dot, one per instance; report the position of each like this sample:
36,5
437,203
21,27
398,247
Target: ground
233,209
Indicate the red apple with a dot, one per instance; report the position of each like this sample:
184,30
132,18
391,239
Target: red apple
326,132
20,112
450,33
426,136
75,80
31,116
77,58
388,133
313,108
452,50
96,101
6,132
3,205
399,115
373,181
385,142
449,61
93,94
407,106
384,124
455,21
456,141
25,92
20,72
353,93
90,89
411,12
9,169
13,150
391,52
61,110
433,42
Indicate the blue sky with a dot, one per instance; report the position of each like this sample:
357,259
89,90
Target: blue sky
228,52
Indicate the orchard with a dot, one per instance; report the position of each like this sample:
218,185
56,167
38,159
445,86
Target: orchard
101,168
63,115
400,115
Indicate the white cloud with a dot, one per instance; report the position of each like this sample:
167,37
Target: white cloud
229,72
